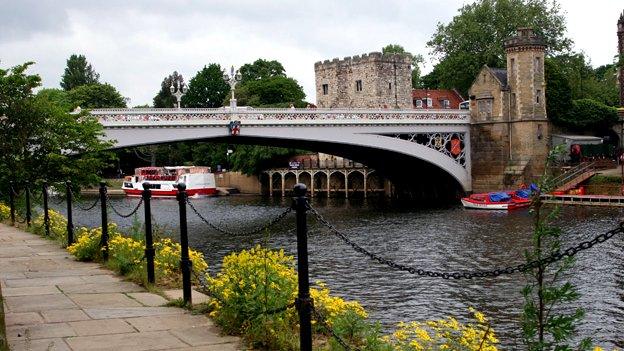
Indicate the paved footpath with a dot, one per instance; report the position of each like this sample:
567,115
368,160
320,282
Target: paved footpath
52,302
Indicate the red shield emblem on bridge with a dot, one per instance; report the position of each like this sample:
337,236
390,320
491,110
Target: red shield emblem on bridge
455,147
234,127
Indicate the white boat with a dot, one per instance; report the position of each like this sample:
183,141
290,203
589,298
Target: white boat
164,180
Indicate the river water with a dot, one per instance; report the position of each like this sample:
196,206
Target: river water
443,240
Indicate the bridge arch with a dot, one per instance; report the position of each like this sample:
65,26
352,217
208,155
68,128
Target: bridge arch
376,143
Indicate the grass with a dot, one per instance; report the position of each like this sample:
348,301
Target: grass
604,179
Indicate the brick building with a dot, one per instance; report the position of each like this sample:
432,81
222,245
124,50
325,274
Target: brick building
436,98
510,132
369,81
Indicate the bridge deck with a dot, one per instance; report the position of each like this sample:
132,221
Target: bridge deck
52,302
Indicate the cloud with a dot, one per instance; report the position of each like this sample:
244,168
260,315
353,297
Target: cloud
135,44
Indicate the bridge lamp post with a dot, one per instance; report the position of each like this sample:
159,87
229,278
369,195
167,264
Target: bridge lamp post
179,90
232,79
227,157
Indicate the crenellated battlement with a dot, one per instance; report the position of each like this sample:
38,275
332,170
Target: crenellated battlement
372,57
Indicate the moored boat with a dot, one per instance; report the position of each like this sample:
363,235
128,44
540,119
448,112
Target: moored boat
163,181
497,200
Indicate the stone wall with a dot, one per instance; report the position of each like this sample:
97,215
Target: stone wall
489,144
385,82
244,183
487,87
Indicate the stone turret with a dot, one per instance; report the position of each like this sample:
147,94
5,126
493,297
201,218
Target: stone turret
525,75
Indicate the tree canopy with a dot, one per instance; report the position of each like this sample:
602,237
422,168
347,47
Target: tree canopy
164,98
588,114
207,89
261,69
78,72
476,36
271,92
417,60
96,96
39,139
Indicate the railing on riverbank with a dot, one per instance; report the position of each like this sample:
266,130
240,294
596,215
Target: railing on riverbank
301,207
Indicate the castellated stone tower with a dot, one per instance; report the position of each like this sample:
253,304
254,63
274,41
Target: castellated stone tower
510,132
369,81
621,59
529,129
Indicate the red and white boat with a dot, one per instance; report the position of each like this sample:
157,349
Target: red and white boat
497,200
164,180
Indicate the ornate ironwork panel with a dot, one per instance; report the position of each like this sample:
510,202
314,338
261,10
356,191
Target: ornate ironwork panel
449,144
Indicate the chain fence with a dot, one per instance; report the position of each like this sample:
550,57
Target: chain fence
262,228
552,258
323,322
85,209
124,215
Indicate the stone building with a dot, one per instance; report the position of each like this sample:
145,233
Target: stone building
369,81
510,131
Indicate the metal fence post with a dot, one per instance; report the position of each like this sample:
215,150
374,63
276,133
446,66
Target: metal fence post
185,262
46,214
303,301
12,202
70,220
104,240
149,243
28,213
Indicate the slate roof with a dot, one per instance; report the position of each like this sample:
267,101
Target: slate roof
501,75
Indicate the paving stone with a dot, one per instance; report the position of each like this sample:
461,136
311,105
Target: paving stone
126,342
37,303
216,347
202,336
102,278
53,316
154,323
55,344
106,287
128,312
19,283
40,331
103,300
75,271
11,275
148,299
101,326
196,296
30,290
23,318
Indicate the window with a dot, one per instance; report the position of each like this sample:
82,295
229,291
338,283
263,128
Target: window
325,89
445,103
418,103
389,86
485,108
429,102
484,78
538,96
512,69
358,85
538,65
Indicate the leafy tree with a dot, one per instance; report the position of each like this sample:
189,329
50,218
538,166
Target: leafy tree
261,69
417,60
96,96
558,92
39,139
56,96
271,92
588,114
476,35
78,72
544,325
207,89
164,98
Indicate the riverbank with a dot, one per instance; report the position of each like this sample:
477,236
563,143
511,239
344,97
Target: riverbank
52,302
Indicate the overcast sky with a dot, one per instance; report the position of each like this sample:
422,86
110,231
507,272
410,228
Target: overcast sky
135,44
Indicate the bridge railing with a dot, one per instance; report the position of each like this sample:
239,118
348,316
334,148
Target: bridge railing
242,113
